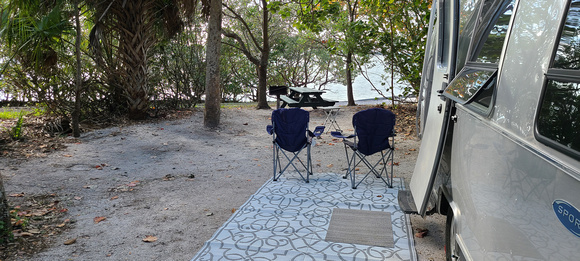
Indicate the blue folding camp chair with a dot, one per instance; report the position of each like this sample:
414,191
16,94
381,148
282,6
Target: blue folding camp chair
290,133
373,128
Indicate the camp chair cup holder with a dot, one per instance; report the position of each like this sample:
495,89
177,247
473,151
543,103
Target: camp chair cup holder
373,135
291,136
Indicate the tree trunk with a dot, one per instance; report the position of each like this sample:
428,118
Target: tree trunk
265,55
136,39
5,225
262,88
211,117
349,89
77,110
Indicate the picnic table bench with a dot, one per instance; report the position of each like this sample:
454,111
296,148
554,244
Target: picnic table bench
305,97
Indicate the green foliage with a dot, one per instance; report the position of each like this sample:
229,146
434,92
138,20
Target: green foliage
19,221
5,233
238,75
314,15
16,133
302,60
178,70
33,31
10,114
38,40
401,36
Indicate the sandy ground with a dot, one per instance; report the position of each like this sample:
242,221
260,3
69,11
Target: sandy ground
176,182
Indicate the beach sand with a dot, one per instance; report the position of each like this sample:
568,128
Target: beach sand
174,181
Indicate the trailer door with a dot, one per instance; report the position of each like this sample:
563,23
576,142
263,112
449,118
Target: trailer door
439,68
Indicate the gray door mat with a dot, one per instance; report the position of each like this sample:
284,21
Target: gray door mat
363,227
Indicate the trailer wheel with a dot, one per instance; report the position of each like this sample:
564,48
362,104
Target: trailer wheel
452,250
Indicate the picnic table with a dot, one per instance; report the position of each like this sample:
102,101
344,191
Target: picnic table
305,97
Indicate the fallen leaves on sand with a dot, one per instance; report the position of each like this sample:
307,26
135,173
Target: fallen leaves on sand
168,177
149,239
421,232
114,197
34,231
330,165
70,241
35,221
18,233
99,219
234,210
16,195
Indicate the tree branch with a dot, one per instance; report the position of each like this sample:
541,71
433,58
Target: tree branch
245,24
242,46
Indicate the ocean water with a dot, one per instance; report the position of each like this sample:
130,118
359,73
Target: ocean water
363,89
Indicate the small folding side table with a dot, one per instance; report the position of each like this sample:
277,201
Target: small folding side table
330,121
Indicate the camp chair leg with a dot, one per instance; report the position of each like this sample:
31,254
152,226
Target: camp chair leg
274,158
372,168
308,166
276,162
295,156
348,161
392,164
352,170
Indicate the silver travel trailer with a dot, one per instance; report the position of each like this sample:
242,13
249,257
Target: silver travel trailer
499,118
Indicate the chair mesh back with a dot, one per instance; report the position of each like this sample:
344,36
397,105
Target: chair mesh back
373,128
290,126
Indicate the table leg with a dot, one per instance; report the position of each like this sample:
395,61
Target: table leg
331,114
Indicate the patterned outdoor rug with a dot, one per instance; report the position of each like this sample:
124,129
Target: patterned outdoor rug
289,219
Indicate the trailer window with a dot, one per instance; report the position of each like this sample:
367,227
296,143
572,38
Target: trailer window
468,83
475,83
468,11
490,50
558,123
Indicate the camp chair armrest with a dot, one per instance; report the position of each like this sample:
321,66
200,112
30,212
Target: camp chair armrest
338,134
270,129
318,131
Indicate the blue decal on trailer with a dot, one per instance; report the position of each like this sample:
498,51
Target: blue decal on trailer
568,215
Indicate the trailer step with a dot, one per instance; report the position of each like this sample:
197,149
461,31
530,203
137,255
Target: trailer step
406,202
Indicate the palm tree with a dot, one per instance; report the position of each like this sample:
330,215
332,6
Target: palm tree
123,35
32,31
